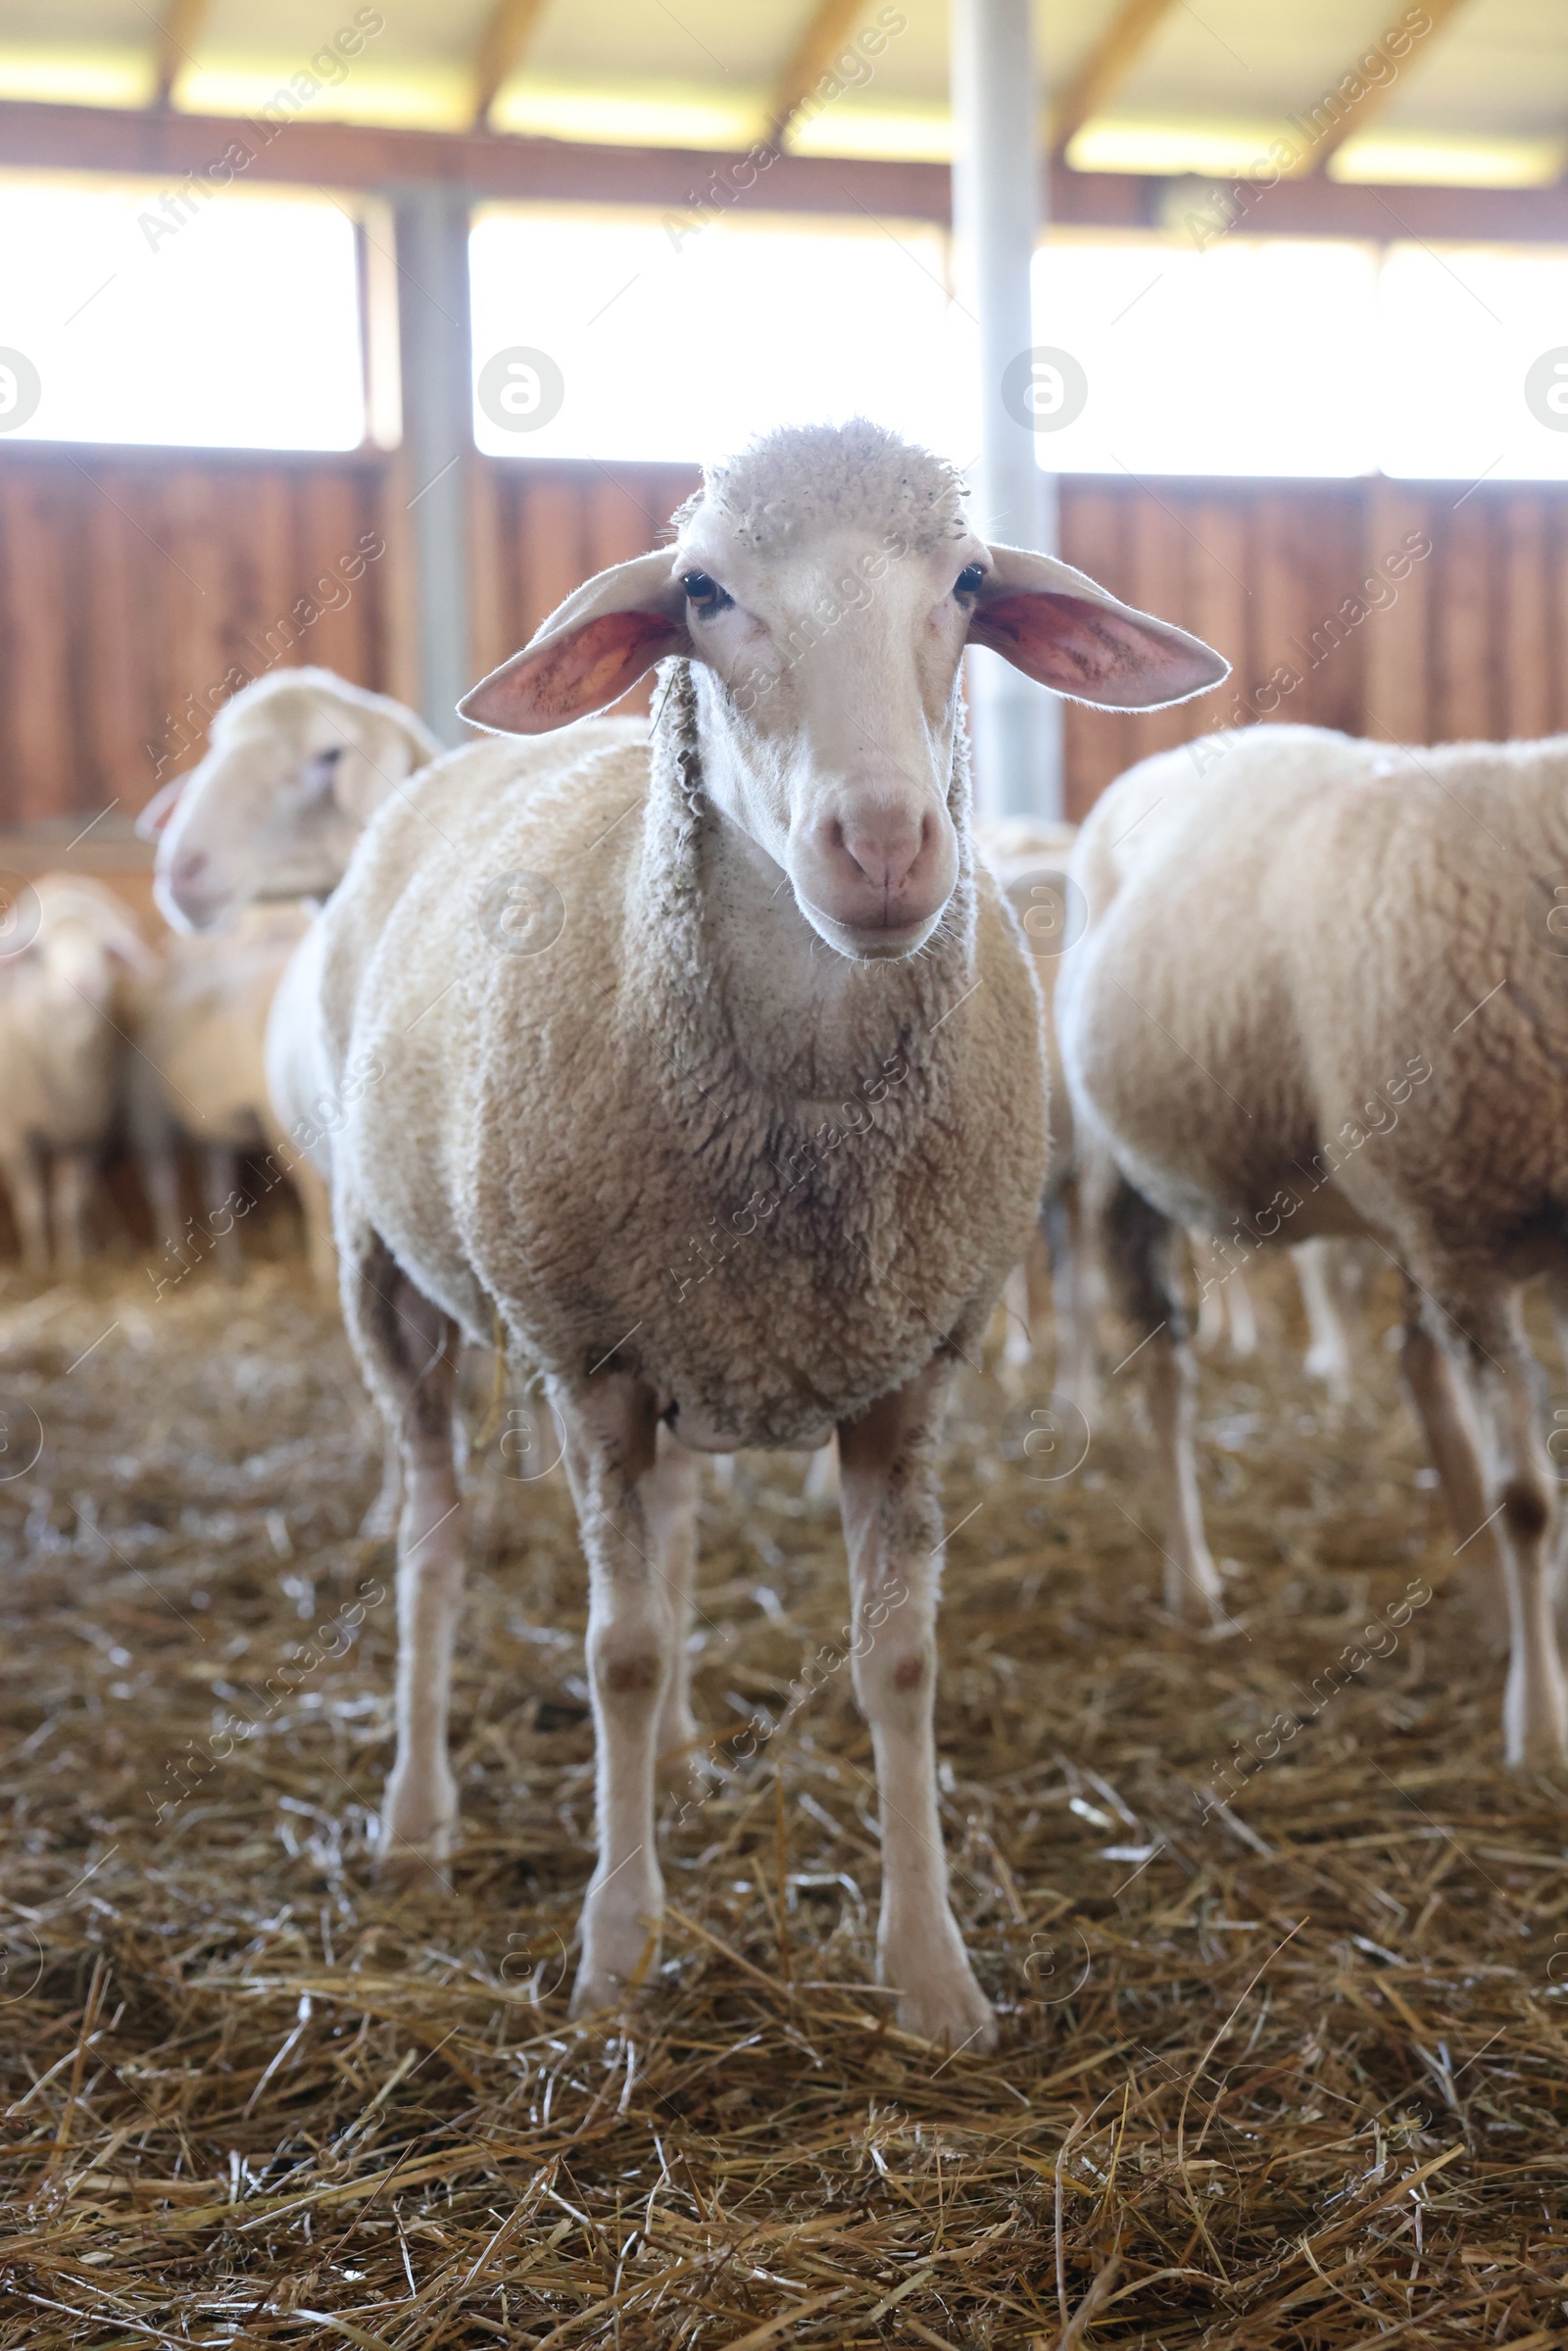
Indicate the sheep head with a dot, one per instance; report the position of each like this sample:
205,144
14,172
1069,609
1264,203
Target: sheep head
298,763
824,587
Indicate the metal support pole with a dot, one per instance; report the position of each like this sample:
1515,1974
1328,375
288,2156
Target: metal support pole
997,209
435,347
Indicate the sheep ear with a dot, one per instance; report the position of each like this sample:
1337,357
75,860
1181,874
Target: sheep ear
385,753
1057,626
588,653
159,809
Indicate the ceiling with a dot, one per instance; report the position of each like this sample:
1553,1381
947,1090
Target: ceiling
1154,85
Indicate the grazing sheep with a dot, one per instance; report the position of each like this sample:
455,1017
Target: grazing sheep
199,1076
1320,994
297,764
60,1045
714,1077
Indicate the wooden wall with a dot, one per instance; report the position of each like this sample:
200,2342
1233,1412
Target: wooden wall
131,583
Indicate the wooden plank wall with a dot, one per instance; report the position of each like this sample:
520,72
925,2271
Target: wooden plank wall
129,583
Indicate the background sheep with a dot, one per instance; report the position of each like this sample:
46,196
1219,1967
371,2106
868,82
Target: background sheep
1318,996
60,1042
297,764
571,1113
199,1077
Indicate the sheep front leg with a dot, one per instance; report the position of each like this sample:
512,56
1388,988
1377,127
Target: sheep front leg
627,1499
1486,1342
893,1532
23,1183
70,1189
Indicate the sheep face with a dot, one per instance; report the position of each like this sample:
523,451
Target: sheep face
826,686
297,765
823,587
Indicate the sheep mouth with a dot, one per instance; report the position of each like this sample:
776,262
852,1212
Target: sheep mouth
870,942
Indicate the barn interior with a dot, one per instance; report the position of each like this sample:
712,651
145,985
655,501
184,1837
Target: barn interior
358,341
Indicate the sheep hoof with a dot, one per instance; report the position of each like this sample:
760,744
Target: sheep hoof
417,1831
599,1986
953,2013
1536,1735
1194,1595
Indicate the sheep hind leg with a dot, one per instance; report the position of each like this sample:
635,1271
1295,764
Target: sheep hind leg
670,1502
1443,1409
1486,1342
223,1198
1328,1346
408,1350
893,1534
1074,1276
621,1491
1142,1253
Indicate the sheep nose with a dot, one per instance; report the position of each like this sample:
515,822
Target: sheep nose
187,868
885,844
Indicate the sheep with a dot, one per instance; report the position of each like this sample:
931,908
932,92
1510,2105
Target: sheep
60,1042
199,1075
1320,994
1030,859
711,1075
297,763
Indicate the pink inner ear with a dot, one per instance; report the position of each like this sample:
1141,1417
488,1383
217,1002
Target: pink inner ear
1092,654
159,809
584,673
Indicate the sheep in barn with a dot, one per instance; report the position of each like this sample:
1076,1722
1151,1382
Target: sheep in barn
60,1046
1030,859
1321,995
712,1072
297,763
198,1076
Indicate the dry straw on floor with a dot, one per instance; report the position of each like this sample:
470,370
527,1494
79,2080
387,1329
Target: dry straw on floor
1287,2073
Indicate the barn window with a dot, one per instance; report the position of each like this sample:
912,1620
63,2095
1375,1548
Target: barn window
217,317
676,335
1246,356
1472,364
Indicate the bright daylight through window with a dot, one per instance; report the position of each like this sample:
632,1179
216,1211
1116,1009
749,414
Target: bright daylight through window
152,315
235,324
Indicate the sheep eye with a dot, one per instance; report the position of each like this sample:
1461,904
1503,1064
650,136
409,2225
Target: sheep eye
704,591
971,580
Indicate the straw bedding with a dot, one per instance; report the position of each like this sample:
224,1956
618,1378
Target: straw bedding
1287,2072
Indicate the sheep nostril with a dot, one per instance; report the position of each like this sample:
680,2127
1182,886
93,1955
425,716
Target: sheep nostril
189,865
